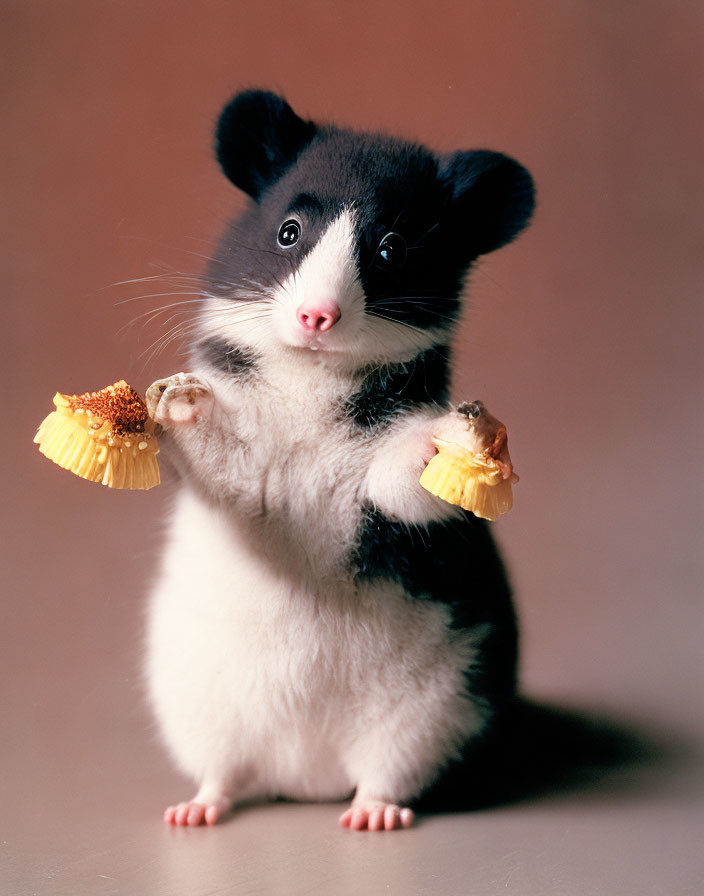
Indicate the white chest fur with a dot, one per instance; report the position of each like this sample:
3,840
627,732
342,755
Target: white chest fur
299,470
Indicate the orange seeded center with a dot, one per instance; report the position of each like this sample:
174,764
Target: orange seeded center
119,404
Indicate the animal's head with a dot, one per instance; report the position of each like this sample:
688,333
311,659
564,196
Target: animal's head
355,244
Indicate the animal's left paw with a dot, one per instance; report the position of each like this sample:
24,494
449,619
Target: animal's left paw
376,816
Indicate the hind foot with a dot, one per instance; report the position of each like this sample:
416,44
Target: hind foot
197,811
376,816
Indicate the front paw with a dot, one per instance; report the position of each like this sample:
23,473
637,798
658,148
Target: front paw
179,399
472,427
456,428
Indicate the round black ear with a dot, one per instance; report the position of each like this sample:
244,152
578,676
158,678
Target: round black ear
257,138
492,197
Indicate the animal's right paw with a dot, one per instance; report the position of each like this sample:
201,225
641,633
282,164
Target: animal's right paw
179,399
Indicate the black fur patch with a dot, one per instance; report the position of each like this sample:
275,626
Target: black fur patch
258,137
388,391
493,198
459,554
225,358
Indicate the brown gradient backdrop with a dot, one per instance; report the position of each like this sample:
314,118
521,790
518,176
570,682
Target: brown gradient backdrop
585,336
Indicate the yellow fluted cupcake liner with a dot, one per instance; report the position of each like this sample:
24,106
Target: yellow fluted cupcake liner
471,481
103,436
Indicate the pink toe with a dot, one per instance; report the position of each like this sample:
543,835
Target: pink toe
359,820
391,818
169,815
181,816
212,813
345,818
376,819
195,815
407,818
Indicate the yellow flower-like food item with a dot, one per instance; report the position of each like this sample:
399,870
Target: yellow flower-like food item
103,436
475,482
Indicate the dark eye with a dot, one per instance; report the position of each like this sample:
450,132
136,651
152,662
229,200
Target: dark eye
392,249
289,234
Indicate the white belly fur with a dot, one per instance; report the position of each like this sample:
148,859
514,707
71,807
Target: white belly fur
295,689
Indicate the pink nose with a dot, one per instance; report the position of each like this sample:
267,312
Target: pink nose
319,315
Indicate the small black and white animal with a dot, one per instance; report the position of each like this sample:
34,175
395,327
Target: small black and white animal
322,627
